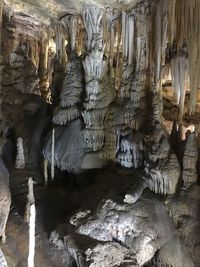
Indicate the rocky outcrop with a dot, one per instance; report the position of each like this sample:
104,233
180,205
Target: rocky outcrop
136,231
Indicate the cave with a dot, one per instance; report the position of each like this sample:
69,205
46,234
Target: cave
99,133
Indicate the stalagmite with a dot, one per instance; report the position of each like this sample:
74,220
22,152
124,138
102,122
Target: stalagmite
45,172
52,154
20,159
32,217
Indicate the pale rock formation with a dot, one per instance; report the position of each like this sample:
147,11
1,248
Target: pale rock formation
20,158
71,91
3,262
109,255
162,166
5,198
63,116
136,191
95,67
131,150
73,83
121,230
69,149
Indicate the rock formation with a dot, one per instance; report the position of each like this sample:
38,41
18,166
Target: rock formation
5,198
20,160
107,94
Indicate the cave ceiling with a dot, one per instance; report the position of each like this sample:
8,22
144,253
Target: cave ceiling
47,11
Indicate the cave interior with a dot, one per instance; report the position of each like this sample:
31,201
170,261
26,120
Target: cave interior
99,133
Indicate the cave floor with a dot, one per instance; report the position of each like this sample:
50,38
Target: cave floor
54,205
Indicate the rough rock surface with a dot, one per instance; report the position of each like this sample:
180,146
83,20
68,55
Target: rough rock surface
137,231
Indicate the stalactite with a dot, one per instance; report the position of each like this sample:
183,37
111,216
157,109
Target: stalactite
1,16
94,119
43,68
69,149
130,153
72,88
179,65
131,24
128,35
92,18
184,22
73,28
63,116
53,155
60,33
163,179
158,39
